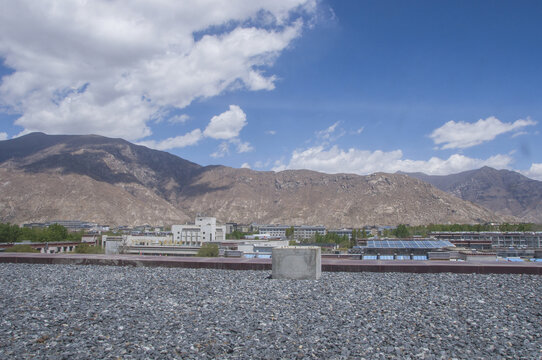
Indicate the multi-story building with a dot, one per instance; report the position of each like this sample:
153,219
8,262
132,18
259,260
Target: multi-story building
342,232
278,231
231,227
204,230
74,225
308,232
494,239
300,232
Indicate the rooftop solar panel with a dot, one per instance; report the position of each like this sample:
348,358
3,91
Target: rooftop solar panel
407,244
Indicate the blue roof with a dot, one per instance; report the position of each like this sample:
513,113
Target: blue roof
408,244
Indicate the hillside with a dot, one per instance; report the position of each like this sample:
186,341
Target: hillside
505,192
307,197
100,179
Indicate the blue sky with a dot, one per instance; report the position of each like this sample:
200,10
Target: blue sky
334,86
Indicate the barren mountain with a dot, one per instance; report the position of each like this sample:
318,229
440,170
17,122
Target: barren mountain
107,180
30,197
307,197
505,192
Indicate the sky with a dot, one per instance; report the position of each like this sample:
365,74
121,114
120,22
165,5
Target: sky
358,87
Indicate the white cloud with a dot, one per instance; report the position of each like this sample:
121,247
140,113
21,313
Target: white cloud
330,134
270,132
535,172
460,135
223,150
243,147
3,136
363,162
245,166
107,67
360,130
326,134
188,139
178,119
227,125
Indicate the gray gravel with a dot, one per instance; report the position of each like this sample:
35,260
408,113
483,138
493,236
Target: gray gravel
94,312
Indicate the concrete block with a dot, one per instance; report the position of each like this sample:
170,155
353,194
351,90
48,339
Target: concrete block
297,262
112,247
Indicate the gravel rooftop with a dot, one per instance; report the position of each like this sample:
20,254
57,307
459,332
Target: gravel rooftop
95,312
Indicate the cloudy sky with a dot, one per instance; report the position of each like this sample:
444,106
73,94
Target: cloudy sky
335,86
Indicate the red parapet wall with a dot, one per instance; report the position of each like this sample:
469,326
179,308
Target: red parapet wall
332,265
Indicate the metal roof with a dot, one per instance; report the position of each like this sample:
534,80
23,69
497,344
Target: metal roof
408,244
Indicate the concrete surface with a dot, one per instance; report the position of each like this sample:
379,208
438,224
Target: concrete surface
297,262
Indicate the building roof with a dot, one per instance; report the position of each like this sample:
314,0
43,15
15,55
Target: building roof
408,244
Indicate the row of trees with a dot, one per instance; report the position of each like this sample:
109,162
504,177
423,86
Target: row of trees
236,235
13,233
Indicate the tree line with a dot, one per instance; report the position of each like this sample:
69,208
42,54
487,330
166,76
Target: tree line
10,233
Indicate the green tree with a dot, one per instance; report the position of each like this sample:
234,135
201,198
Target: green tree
56,232
235,235
9,233
208,250
525,227
290,232
401,231
505,227
317,238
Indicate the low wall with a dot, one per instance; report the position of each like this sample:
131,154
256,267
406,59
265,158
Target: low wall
334,265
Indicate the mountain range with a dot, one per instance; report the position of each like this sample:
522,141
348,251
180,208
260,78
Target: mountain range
505,192
112,181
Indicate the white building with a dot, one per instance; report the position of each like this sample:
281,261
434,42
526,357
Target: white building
148,240
274,230
300,232
204,230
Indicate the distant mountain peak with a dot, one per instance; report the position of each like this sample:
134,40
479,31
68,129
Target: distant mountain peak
504,191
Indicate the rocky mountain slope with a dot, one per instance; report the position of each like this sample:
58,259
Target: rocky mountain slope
502,191
340,200
112,181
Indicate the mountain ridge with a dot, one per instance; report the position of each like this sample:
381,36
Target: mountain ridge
505,192
139,182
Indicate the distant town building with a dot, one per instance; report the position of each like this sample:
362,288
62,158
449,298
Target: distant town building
492,239
74,225
46,247
204,230
300,232
274,230
231,227
70,225
89,238
342,232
